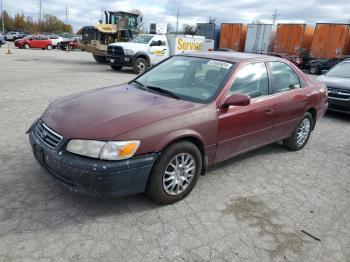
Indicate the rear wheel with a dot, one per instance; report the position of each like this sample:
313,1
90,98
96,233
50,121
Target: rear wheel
117,68
26,46
100,59
301,134
58,45
175,173
140,66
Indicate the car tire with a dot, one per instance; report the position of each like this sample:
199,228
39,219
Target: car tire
100,59
26,46
49,47
175,173
116,68
140,66
315,70
301,134
58,46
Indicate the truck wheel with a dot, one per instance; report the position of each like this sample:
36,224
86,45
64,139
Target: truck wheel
315,70
117,68
301,134
140,66
175,173
100,59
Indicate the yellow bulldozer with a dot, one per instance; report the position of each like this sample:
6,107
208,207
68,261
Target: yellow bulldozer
119,26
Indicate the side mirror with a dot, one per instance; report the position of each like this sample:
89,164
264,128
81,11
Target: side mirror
236,100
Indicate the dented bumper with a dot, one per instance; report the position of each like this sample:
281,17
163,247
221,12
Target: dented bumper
94,177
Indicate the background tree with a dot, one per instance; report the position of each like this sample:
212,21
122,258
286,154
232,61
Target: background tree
189,29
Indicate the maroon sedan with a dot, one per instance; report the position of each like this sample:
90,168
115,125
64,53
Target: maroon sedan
159,133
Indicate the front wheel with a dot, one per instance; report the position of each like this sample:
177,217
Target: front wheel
117,68
301,134
175,173
26,46
140,66
49,47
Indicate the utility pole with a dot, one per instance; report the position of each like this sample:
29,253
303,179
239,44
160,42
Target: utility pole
40,12
2,19
177,20
274,16
66,14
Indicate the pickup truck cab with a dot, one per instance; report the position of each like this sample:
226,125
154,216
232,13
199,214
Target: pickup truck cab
147,50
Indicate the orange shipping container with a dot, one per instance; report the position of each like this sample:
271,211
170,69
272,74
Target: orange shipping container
293,39
233,36
331,41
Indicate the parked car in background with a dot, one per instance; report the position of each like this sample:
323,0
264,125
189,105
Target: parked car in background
316,66
11,35
338,83
56,40
160,132
34,41
69,44
20,36
2,40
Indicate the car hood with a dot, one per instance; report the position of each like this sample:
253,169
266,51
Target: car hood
109,112
336,82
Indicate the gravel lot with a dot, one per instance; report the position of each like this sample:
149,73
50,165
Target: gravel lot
251,208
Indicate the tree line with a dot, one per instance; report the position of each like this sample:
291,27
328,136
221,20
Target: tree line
49,24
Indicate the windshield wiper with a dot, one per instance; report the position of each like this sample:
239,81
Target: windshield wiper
164,91
142,86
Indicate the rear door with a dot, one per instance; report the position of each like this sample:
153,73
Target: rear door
242,128
289,99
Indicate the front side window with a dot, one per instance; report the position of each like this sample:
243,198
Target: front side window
251,80
142,39
283,78
190,78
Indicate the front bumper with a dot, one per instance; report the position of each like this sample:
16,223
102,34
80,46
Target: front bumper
93,177
339,105
120,60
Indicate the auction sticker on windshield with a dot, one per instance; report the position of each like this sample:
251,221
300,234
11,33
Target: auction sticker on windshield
220,64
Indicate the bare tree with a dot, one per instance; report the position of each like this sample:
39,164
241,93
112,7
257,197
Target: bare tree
189,29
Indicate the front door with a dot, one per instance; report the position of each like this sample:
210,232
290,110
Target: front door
158,50
242,128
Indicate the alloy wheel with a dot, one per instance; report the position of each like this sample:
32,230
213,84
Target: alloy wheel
303,131
179,174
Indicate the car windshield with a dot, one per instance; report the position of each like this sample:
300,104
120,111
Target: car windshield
189,78
142,39
340,70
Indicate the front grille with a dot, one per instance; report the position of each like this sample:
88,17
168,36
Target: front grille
338,93
115,50
48,136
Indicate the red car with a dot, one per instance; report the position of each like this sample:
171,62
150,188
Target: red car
160,132
34,41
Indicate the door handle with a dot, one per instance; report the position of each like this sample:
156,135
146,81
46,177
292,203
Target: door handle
268,109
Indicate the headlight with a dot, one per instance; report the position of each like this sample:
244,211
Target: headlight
113,150
128,52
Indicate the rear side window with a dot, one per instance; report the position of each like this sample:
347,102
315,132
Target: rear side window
251,80
283,78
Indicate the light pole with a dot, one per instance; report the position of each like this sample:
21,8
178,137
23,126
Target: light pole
2,19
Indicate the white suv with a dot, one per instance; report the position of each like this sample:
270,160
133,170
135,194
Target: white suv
2,40
11,35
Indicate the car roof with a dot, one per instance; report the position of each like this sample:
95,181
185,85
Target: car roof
233,57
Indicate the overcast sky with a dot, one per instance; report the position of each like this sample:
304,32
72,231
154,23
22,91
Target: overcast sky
88,12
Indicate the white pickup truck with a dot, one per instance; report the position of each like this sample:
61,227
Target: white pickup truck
147,50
